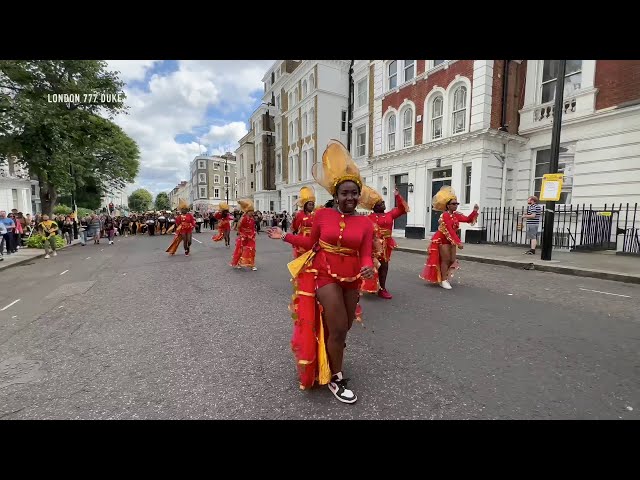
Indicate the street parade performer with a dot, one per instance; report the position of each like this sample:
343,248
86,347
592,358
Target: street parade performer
303,221
338,256
185,223
441,258
224,224
244,254
383,226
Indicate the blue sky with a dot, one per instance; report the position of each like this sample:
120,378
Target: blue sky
174,105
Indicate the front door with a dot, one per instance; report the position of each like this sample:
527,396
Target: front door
401,221
440,179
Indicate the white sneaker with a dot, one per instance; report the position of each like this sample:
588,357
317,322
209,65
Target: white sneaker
338,386
55,254
254,268
47,256
446,285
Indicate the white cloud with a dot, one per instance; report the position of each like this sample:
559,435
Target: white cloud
177,103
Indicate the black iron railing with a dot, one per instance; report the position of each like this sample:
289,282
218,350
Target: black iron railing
575,227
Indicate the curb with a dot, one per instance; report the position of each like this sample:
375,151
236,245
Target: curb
4,266
576,271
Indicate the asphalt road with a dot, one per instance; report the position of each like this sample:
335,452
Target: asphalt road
127,332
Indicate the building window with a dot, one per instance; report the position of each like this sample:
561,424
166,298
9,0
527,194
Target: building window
203,192
407,128
251,185
304,125
251,169
392,74
33,191
290,100
436,117
459,109
278,133
216,179
226,167
216,166
343,121
310,162
296,95
437,62
312,119
202,178
304,166
236,193
226,180
296,128
572,79
290,170
216,193
279,165
312,82
278,104
409,70
290,132
391,133
202,164
362,92
467,184
304,88
565,166
361,141
236,181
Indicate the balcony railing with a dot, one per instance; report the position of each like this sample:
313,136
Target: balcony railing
546,110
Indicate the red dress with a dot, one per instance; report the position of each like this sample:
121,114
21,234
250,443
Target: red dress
301,225
448,224
224,224
384,224
186,223
341,252
244,254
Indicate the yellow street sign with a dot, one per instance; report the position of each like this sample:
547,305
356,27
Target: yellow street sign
551,187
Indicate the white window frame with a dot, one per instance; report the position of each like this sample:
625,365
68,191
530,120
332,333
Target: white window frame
303,165
467,179
226,180
305,89
202,164
465,109
387,133
296,128
279,166
290,169
567,157
202,178
402,110
291,139
312,82
343,120
388,77
361,148
305,124
310,162
278,103
296,95
362,95
200,190
216,179
216,166
406,65
216,193
427,128
312,117
567,75
432,64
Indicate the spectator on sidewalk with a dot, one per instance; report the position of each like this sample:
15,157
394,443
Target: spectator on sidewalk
7,236
534,213
49,229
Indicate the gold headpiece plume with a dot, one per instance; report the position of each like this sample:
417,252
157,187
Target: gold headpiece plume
307,194
223,206
246,205
182,204
444,196
369,197
337,166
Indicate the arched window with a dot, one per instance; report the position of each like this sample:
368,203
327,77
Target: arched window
312,82
290,132
309,162
391,133
459,111
304,125
304,166
407,128
304,88
312,117
436,117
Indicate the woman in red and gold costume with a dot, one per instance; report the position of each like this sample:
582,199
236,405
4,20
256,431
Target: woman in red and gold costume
441,259
338,256
224,224
372,200
244,254
185,223
303,221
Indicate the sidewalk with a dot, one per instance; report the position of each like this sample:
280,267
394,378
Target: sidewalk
605,265
24,255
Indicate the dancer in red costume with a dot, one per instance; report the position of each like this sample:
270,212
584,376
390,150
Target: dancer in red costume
338,256
224,224
372,200
185,223
441,259
303,220
244,254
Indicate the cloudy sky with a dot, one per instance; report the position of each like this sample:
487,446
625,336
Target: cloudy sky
175,103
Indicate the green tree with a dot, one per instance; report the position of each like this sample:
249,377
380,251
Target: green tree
140,200
61,210
162,201
63,143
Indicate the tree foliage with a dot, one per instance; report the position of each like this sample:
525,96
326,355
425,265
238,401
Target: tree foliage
162,201
140,200
64,143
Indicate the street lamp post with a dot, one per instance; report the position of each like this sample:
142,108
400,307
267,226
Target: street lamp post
547,233
226,174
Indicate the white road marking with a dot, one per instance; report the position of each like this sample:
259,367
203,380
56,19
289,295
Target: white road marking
12,303
197,240
606,293
15,316
509,293
102,249
64,272
124,274
87,258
